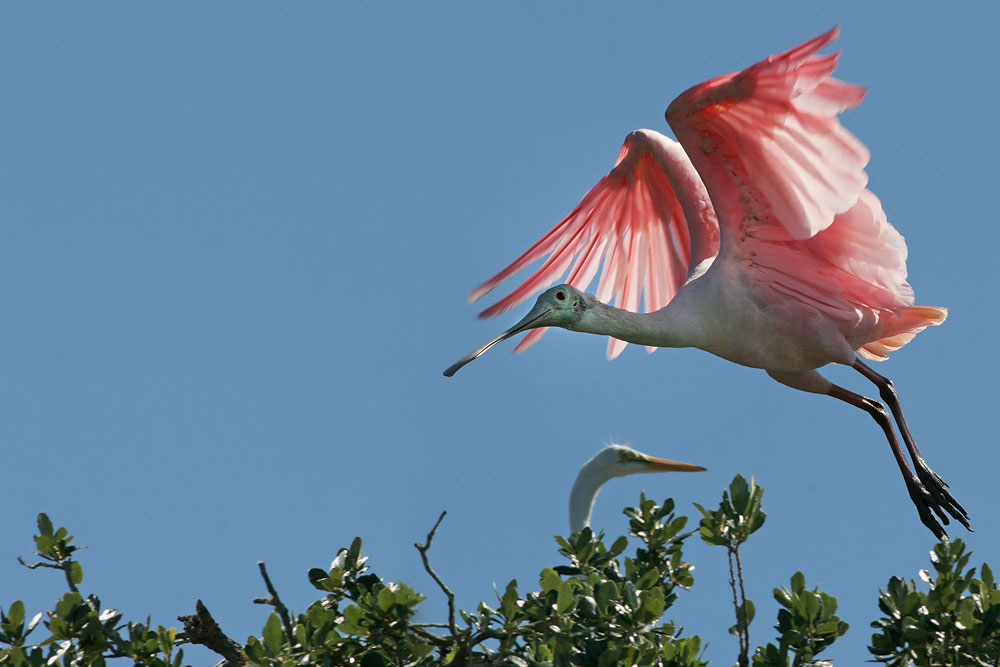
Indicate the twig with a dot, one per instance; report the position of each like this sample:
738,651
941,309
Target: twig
441,642
64,565
742,631
37,565
423,549
743,596
275,602
201,628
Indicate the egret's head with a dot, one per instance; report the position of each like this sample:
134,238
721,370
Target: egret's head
619,461
559,306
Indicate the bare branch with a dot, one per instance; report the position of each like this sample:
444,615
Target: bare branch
423,549
201,628
64,565
276,602
738,605
32,566
439,641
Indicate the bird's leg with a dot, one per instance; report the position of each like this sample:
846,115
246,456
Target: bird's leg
921,497
930,479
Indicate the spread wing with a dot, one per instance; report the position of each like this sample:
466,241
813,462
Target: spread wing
788,187
632,224
788,184
767,142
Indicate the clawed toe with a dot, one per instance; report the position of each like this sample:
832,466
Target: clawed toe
924,503
941,498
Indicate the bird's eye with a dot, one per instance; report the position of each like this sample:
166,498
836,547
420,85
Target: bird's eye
561,296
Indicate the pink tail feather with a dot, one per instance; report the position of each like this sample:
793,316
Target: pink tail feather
900,330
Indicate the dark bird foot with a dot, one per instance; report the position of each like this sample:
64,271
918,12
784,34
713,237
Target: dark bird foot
924,503
941,499
930,495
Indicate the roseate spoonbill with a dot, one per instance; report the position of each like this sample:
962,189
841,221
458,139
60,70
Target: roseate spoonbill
612,461
753,238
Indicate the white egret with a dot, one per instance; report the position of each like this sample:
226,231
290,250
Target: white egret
612,461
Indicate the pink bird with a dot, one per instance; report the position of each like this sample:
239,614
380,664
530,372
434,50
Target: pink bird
753,238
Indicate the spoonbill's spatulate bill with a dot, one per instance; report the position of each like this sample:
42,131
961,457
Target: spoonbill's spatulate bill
753,238
612,461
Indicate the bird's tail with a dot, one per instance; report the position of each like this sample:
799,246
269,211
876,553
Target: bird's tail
900,330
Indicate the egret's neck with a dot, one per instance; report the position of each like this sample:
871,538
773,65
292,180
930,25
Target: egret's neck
581,498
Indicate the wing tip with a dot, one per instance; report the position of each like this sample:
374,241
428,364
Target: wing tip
819,41
479,292
615,347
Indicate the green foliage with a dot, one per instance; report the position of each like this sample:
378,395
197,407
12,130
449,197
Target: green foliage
361,620
600,607
806,625
738,516
956,622
597,610
79,633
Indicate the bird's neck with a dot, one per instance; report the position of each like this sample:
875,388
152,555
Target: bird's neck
581,499
671,326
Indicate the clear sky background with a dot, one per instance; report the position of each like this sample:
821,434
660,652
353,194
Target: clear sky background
236,243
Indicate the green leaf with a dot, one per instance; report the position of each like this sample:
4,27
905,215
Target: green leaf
43,544
385,599
631,599
618,547
34,621
648,579
44,525
15,615
353,553
652,604
318,578
605,593
745,614
549,580
508,602
783,597
339,560
798,582
565,597
255,651
76,572
352,622
711,535
272,635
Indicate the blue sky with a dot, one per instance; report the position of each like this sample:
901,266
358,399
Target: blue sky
237,240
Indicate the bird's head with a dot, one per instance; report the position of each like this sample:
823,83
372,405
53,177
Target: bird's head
612,461
560,306
619,461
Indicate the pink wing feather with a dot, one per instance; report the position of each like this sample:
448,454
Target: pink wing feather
631,222
788,185
775,125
